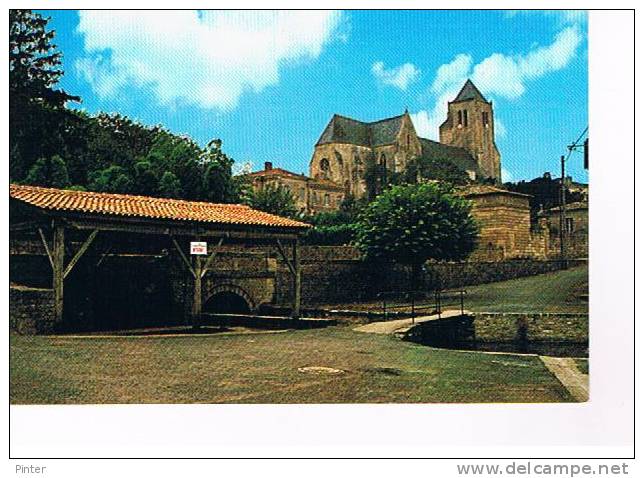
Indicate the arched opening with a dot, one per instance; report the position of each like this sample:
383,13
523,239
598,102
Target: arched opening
226,302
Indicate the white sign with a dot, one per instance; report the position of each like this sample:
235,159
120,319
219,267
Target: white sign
199,248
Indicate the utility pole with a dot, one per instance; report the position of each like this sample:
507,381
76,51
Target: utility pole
562,214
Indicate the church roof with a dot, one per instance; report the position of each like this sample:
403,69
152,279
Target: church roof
457,156
348,130
469,92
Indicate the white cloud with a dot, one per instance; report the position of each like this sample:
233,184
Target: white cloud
400,76
499,75
206,58
506,176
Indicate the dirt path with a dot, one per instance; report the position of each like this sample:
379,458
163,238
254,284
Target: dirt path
567,372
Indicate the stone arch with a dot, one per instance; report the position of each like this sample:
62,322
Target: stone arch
221,289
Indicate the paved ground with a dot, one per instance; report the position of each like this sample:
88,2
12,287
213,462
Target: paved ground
266,368
567,372
401,325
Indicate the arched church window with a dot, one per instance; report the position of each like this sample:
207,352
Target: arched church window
325,168
465,118
486,118
460,117
339,159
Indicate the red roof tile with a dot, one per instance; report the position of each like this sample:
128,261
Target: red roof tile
147,207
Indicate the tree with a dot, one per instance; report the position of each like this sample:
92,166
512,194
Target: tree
414,223
113,179
34,62
273,199
51,172
169,186
434,169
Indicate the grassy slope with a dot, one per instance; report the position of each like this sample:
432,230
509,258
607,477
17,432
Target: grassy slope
262,368
553,292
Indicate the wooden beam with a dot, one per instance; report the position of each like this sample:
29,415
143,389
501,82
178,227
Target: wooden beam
183,256
196,296
25,226
104,255
127,225
214,252
44,243
282,252
297,281
79,254
58,264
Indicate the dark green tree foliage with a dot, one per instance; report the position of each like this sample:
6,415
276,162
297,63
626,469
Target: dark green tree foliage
414,223
49,172
52,145
433,169
34,62
273,199
545,193
335,228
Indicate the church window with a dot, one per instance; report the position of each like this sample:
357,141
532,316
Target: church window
326,199
486,119
465,118
338,157
460,117
324,168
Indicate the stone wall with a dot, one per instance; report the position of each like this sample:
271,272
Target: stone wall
31,310
503,328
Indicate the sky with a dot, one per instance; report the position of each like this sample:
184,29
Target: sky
267,83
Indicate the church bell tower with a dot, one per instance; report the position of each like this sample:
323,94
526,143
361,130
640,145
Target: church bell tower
470,125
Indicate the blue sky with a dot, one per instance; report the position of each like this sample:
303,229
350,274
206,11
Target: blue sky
267,83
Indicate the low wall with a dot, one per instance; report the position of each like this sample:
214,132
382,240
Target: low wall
503,328
31,310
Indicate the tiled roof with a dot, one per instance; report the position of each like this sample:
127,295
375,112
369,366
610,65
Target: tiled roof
469,92
348,130
458,156
279,172
146,207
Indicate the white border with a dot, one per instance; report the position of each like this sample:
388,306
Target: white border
602,427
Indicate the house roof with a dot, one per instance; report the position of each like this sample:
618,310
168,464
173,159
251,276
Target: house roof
458,156
469,92
348,130
123,205
283,173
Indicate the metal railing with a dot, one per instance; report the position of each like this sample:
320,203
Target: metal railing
420,300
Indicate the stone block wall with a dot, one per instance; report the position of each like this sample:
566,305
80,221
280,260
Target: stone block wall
31,310
505,328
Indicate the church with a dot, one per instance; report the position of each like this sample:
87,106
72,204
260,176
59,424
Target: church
466,140
341,154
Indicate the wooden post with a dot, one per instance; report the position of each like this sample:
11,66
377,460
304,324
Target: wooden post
58,268
297,281
196,297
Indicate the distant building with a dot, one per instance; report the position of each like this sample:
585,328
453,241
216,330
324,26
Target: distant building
575,227
503,218
310,195
466,139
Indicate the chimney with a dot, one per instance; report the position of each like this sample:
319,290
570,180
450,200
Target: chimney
268,166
